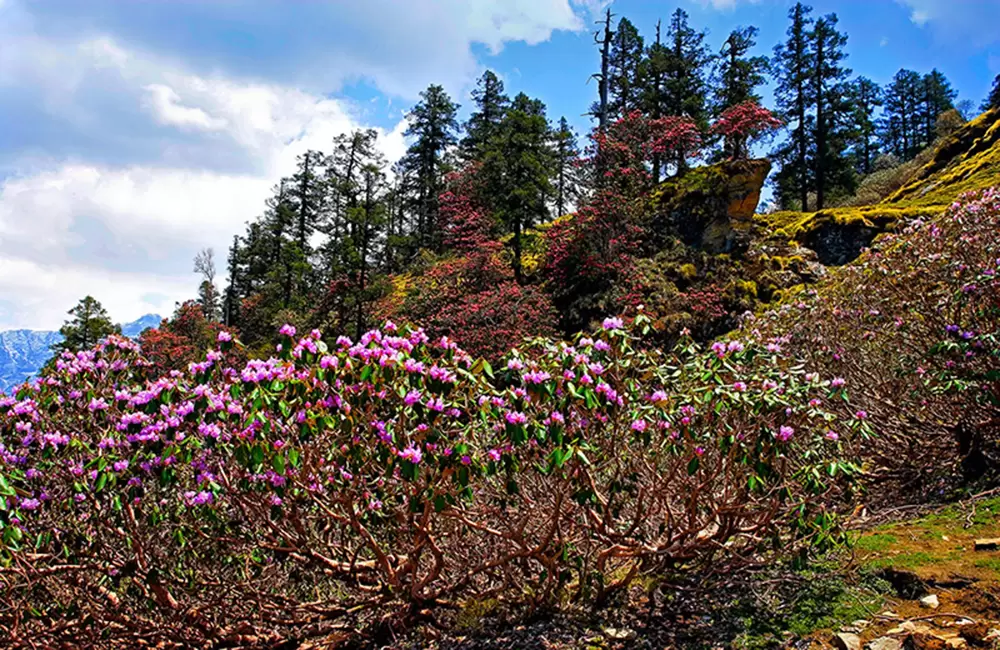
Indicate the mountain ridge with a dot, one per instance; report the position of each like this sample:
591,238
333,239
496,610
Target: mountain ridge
24,351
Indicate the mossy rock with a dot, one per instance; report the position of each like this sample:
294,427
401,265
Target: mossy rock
710,207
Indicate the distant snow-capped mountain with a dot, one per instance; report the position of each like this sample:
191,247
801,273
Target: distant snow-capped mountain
24,352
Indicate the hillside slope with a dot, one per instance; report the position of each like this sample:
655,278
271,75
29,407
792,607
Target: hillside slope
967,160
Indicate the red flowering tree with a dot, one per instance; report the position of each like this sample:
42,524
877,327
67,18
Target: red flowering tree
742,124
464,224
589,262
473,297
180,340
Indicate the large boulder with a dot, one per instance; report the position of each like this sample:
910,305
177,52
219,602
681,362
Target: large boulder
710,207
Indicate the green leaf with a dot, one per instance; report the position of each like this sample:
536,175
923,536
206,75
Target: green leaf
278,463
693,466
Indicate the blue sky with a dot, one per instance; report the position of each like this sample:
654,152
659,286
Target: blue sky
133,133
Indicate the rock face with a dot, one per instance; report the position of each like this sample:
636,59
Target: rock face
711,207
22,353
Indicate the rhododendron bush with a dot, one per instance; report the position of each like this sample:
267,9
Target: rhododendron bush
336,483
914,326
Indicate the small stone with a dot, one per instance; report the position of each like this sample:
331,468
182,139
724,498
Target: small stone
860,623
619,634
846,641
989,544
885,643
930,602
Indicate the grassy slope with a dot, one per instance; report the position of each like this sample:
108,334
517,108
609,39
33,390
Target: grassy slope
967,160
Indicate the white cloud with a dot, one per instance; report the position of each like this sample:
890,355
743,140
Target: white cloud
128,232
969,22
148,150
166,105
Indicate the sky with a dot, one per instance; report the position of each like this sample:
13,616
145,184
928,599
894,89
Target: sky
135,132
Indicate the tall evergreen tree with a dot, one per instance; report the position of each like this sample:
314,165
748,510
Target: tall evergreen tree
865,99
793,65
655,67
89,325
937,97
993,99
484,123
737,75
566,165
686,88
901,125
519,163
433,127
307,195
828,77
625,70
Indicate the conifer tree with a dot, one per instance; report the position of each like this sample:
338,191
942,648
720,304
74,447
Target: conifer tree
993,99
566,178
865,98
937,97
901,125
655,67
793,65
625,70
484,123
828,77
89,325
433,126
518,164
685,88
737,75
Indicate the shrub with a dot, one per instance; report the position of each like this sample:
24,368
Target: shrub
913,326
322,488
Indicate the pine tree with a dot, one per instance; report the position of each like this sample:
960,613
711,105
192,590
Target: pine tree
993,99
518,163
828,77
737,75
566,177
793,65
484,123
901,124
655,67
235,288
938,96
307,195
89,325
685,88
433,126
625,70
865,98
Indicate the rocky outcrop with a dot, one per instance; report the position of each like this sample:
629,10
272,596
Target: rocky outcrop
711,207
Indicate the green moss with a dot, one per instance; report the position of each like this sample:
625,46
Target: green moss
965,161
875,543
910,561
799,226
688,271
